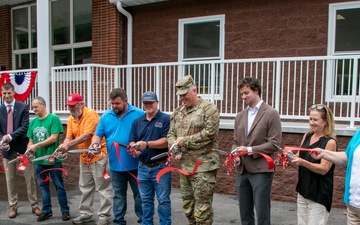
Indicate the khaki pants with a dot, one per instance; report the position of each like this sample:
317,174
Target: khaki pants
310,212
91,180
10,175
353,215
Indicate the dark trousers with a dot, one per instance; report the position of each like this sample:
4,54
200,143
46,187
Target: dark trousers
253,191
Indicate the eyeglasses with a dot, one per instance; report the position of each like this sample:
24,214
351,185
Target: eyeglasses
318,107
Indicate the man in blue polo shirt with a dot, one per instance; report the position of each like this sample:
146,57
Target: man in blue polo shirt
115,125
148,136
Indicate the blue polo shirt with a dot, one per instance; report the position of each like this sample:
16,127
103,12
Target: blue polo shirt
145,130
116,129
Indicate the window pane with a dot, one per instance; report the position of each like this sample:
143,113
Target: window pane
60,22
202,77
22,61
33,27
202,40
20,28
82,20
62,57
347,30
33,60
82,55
344,77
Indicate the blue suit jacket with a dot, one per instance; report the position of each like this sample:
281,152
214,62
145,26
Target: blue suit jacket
20,126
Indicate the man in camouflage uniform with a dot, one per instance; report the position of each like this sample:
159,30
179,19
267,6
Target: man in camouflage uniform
194,127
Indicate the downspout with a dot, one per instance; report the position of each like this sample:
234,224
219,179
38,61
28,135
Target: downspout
129,31
129,49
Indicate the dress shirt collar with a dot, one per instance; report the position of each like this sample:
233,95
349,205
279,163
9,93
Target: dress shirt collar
12,104
256,108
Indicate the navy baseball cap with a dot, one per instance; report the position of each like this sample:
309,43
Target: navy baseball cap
149,96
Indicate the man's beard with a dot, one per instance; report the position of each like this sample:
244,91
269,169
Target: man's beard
75,113
119,111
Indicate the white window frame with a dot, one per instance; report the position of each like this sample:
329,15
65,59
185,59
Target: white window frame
331,67
182,23
71,45
332,24
30,49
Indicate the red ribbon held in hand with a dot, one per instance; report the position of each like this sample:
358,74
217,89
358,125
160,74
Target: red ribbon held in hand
284,159
120,161
230,161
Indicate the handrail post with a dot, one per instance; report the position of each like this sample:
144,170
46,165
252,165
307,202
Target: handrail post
158,84
354,92
128,87
53,102
89,86
116,77
212,82
277,86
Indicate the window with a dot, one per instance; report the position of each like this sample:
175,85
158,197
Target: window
71,30
71,34
24,40
200,39
344,36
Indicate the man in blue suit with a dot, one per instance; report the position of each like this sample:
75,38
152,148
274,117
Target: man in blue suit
15,137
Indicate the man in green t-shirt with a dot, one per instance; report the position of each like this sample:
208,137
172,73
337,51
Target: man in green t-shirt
44,137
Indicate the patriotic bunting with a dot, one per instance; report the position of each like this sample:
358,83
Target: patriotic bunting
23,83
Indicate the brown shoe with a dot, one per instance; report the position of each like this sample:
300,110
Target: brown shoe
13,212
36,211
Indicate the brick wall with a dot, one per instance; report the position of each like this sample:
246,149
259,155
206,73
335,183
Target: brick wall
5,34
108,36
254,29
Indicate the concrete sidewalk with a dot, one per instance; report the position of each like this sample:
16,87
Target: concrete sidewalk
225,209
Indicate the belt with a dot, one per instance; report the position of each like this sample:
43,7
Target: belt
153,164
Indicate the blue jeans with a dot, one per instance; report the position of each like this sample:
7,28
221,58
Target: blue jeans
56,176
148,187
119,182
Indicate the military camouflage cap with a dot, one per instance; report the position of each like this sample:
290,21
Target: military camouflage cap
183,84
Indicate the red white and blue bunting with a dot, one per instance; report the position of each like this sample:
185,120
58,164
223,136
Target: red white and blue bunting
23,83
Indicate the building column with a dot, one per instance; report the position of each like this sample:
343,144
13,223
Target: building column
43,50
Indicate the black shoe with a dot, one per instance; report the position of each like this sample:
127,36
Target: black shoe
44,216
65,216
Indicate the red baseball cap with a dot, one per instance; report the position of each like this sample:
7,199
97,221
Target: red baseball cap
73,99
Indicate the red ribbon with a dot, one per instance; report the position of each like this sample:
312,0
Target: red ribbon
1,159
120,161
24,161
170,168
47,175
230,161
105,174
283,158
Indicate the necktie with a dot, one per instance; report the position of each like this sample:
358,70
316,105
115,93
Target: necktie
9,120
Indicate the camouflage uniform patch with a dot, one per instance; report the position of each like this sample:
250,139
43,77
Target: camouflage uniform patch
198,188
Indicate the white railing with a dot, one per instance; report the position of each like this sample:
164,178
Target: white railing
290,85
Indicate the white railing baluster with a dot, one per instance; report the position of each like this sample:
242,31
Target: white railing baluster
354,92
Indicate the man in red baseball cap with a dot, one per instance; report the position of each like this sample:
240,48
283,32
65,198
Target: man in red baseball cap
80,129
74,99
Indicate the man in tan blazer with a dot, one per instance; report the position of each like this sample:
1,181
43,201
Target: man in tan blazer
253,125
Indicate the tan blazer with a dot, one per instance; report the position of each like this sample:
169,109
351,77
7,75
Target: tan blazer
266,124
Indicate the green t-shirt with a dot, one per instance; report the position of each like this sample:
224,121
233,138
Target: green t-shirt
40,130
